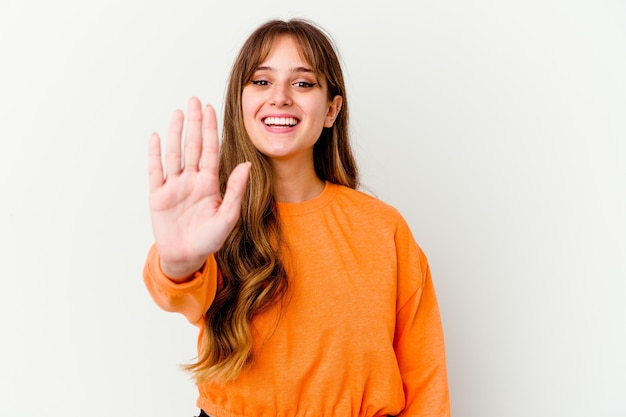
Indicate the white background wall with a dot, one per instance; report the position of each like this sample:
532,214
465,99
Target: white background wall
498,129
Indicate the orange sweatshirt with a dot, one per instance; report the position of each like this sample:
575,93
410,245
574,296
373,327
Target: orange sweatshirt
361,334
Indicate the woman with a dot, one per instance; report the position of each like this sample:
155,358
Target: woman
311,298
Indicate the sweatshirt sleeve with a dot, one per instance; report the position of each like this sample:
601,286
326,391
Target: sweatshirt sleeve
418,341
191,298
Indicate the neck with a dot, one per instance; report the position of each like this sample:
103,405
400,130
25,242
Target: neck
295,184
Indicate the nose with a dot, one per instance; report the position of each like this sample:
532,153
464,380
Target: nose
281,95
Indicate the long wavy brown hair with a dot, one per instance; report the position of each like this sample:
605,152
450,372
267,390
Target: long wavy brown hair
253,273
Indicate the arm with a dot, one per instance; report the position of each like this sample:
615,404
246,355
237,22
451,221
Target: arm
190,218
419,342
191,298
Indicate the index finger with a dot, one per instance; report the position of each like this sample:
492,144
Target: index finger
210,143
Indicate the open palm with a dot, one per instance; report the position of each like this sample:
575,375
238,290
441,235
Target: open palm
190,219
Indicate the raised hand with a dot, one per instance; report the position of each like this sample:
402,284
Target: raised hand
190,220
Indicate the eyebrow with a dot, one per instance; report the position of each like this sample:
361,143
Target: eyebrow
295,69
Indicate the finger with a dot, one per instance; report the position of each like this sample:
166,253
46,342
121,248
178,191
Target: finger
193,137
210,143
235,188
172,148
155,167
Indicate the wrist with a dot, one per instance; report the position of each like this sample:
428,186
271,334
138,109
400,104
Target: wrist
181,271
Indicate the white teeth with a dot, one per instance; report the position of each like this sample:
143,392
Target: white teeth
280,121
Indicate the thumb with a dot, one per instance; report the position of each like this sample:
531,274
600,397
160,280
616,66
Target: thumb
235,187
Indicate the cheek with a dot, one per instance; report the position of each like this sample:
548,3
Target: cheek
248,109
246,103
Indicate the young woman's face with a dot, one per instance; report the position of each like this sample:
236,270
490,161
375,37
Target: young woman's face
285,106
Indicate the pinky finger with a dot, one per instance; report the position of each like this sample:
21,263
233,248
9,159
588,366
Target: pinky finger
155,166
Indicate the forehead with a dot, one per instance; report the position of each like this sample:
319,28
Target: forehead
284,49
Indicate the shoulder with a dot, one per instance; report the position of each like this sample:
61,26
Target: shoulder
374,214
367,205
382,226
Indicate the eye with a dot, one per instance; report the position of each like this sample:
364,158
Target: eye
304,84
260,82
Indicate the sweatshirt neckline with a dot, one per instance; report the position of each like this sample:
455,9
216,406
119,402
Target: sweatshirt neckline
308,206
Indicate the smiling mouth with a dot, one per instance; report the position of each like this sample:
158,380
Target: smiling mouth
280,121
